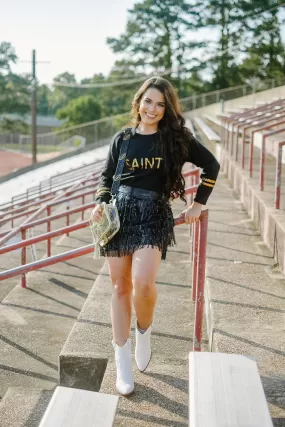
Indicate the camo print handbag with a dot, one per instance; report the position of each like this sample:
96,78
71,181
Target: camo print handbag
103,231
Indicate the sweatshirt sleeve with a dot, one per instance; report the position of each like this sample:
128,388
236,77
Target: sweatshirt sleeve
201,157
103,193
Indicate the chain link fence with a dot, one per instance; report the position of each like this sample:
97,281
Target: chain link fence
99,132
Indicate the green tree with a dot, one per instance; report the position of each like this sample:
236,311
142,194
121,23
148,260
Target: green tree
14,89
43,96
60,96
7,56
83,109
265,53
156,40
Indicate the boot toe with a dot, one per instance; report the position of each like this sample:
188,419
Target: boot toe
125,389
142,363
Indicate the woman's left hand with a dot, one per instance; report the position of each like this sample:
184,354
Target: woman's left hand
192,213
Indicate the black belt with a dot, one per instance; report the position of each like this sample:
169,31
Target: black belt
140,193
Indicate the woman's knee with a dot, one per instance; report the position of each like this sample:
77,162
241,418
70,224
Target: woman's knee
143,287
122,286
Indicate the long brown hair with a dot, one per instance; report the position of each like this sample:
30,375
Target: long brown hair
173,134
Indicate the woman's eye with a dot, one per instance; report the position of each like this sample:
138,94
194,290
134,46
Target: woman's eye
147,101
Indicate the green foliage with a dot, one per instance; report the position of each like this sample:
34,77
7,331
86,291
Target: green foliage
80,110
155,36
13,126
161,36
14,89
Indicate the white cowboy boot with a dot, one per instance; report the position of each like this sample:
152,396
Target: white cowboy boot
123,358
143,348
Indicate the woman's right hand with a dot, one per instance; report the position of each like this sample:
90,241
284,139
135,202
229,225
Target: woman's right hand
96,214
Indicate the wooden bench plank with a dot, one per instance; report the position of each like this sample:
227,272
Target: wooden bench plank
210,134
70,407
189,124
226,391
213,119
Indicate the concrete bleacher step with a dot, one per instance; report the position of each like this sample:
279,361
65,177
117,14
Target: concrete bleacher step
70,406
207,130
23,407
245,295
36,321
161,394
13,259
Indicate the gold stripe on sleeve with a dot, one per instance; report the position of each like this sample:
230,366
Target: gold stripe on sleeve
207,185
209,180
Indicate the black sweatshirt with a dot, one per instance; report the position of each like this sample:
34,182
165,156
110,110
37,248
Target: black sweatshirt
144,166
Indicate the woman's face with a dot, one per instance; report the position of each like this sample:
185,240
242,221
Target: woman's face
152,106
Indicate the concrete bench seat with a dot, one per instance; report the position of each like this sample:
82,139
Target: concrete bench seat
226,390
189,124
271,145
213,119
210,134
80,408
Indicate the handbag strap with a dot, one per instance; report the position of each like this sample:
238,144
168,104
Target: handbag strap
122,159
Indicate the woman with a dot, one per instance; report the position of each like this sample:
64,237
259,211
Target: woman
158,147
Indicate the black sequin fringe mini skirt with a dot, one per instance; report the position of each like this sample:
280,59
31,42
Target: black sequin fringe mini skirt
146,220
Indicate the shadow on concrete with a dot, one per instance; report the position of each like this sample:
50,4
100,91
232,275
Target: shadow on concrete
234,226
53,299
29,373
245,287
234,232
81,240
68,287
81,268
71,275
274,388
38,310
151,419
158,334
238,304
28,352
178,383
176,285
39,409
240,250
144,394
278,422
246,341
233,260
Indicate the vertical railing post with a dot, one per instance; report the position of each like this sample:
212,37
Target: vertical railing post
262,164
82,212
23,259
237,137
251,150
67,219
278,177
195,249
199,304
48,230
243,148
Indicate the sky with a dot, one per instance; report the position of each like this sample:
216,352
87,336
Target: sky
69,34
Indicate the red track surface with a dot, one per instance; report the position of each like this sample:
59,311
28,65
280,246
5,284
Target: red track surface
9,161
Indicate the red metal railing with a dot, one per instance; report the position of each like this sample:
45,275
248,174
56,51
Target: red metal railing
258,120
52,185
199,259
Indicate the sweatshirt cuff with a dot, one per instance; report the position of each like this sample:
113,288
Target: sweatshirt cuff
103,194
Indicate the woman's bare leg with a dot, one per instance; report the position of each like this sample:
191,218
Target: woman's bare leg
121,303
144,271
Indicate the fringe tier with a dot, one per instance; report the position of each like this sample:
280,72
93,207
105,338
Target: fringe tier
144,223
